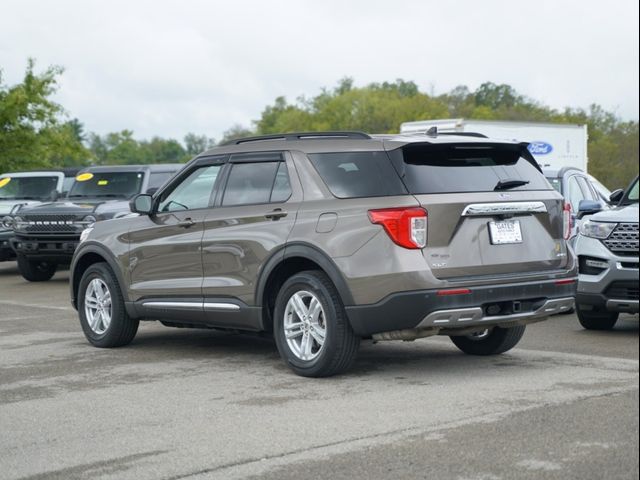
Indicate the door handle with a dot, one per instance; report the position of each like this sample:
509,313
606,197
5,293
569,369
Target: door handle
186,223
275,214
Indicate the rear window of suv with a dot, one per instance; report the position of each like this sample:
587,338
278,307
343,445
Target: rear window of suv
465,168
358,174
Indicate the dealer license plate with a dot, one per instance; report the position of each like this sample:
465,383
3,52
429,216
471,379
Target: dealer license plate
505,232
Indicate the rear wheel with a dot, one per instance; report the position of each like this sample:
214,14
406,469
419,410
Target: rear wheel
36,270
489,342
103,316
597,319
311,328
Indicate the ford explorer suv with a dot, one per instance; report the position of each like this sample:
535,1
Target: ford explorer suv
46,235
575,185
607,250
28,188
324,239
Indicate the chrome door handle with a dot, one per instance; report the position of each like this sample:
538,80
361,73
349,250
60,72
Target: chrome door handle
275,214
186,223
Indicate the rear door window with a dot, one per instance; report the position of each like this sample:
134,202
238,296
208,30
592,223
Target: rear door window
252,182
458,168
358,174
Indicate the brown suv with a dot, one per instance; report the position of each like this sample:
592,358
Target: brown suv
327,238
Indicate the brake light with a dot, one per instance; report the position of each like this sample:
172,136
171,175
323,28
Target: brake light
567,221
407,227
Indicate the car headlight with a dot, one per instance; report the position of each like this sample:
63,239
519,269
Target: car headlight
89,220
85,234
7,222
599,230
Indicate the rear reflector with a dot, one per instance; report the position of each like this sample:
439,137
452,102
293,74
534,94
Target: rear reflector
455,291
406,226
568,281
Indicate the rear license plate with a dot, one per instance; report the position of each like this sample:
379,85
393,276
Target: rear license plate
505,232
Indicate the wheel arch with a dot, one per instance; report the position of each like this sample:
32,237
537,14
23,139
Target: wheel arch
287,261
83,259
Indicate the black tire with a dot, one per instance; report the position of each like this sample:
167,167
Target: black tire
340,343
495,342
122,329
597,319
36,270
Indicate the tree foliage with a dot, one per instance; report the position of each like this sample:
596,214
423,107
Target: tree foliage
33,130
382,107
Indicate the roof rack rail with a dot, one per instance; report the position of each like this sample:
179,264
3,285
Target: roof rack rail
299,136
464,134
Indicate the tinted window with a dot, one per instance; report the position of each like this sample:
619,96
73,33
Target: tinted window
193,192
250,183
358,174
27,187
466,168
282,186
107,184
556,183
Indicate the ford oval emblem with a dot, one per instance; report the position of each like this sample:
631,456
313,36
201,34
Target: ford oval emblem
540,148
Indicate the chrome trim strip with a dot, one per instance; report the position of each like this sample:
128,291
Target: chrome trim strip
220,306
479,209
462,317
178,305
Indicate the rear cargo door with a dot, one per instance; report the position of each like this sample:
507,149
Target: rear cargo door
490,210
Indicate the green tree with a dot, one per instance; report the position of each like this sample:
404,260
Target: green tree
195,144
33,132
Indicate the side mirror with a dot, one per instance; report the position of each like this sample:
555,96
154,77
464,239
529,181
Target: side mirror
142,204
152,190
55,195
588,207
616,196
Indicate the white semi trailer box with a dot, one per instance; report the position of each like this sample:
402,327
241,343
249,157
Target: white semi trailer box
553,145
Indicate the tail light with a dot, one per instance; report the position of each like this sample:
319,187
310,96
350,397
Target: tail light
567,221
407,227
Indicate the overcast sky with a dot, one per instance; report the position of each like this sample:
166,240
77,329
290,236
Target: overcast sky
171,67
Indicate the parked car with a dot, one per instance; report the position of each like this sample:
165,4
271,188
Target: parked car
575,185
607,249
325,238
46,235
26,189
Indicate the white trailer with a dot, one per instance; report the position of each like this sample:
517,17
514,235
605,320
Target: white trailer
553,145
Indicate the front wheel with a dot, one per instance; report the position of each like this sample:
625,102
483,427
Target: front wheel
597,319
36,270
103,316
311,329
490,342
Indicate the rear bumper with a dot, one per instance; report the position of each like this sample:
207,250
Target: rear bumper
488,306
58,249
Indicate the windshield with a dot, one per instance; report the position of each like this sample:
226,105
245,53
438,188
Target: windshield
106,184
27,188
556,183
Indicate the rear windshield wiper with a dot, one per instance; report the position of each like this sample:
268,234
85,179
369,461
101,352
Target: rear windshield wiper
510,183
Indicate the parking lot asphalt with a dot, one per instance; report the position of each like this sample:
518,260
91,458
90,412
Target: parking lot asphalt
198,404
